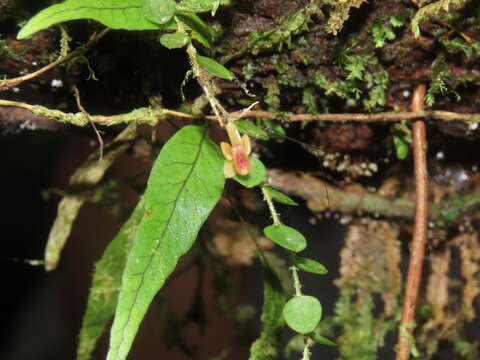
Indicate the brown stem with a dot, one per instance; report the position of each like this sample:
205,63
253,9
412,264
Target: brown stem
79,51
419,239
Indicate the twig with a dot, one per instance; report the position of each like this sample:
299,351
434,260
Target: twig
151,116
87,116
79,51
419,239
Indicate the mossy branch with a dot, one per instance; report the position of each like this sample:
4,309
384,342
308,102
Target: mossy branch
151,116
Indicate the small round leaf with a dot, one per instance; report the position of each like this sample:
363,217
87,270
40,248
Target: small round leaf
255,176
176,40
286,236
302,313
309,265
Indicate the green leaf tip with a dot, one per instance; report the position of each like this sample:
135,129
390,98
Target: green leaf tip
302,313
116,14
185,183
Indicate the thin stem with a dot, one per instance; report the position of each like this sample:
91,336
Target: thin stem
76,94
306,351
296,281
271,207
419,239
204,80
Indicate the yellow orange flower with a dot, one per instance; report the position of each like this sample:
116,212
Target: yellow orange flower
236,153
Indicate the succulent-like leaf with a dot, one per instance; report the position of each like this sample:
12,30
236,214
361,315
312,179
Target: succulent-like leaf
302,313
286,236
309,265
174,41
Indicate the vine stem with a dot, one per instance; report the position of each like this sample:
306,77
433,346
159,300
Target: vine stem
296,281
415,266
204,80
271,207
306,351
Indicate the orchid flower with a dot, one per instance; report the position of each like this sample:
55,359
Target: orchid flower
236,153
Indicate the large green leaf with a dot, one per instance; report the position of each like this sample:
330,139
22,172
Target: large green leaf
116,14
267,345
106,284
184,185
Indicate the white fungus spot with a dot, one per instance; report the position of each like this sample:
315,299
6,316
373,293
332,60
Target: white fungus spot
440,155
406,93
473,125
16,89
56,83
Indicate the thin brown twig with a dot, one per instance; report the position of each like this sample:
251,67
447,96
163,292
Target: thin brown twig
76,94
415,266
79,51
151,116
